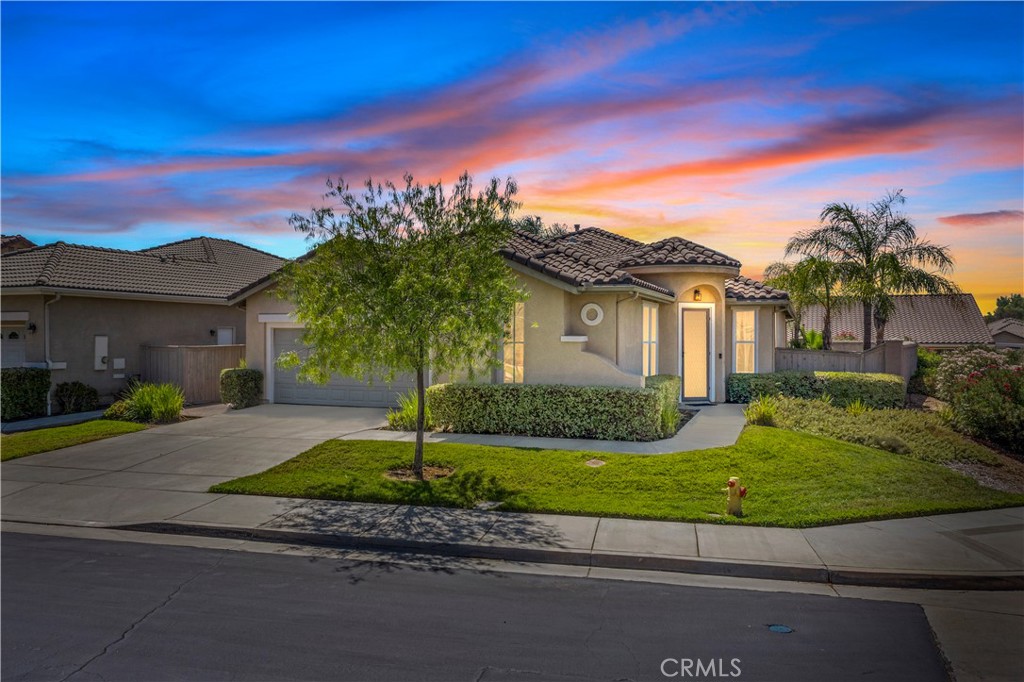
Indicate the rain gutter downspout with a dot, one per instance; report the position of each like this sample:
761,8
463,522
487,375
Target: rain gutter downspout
46,350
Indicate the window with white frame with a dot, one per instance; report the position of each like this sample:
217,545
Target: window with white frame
513,348
649,339
744,336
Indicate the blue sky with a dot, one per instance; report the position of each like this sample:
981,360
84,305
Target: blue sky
131,124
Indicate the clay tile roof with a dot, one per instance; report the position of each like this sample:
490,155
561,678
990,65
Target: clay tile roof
930,319
745,289
1008,325
570,262
594,241
676,251
14,242
202,267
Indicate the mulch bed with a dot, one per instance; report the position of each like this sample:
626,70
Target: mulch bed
430,473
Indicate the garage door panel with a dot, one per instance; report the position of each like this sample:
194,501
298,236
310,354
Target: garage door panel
348,391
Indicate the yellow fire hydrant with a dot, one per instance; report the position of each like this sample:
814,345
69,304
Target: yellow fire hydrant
735,494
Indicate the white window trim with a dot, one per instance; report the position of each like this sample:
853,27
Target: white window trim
505,344
712,354
734,341
646,347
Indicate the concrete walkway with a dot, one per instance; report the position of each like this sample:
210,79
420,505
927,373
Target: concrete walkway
157,480
46,422
714,426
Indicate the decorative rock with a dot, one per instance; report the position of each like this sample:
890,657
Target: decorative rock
595,463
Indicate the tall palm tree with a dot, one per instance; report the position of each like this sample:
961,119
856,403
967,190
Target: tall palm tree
877,254
808,281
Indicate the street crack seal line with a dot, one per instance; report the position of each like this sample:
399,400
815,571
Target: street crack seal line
145,616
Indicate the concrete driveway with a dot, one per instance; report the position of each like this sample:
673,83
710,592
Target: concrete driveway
165,471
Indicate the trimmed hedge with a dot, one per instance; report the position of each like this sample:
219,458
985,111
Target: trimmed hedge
74,396
879,391
23,392
602,412
241,387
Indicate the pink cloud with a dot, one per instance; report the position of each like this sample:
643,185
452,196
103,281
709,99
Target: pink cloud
973,220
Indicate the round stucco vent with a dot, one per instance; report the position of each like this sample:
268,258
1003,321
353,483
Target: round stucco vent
591,314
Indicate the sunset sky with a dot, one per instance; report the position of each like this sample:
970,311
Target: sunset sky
129,125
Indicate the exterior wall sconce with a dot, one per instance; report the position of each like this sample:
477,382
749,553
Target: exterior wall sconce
31,327
697,295
213,332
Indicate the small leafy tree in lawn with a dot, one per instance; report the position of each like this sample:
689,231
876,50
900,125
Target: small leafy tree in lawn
403,279
878,254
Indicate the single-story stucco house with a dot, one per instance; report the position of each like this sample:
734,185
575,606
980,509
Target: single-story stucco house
934,321
1007,333
603,310
86,312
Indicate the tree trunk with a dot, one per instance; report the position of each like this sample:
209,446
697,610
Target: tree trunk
417,461
826,330
879,329
867,325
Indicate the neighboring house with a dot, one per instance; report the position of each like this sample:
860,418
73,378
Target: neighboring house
14,242
86,312
932,320
603,310
1007,333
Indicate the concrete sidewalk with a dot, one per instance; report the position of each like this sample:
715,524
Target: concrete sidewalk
157,480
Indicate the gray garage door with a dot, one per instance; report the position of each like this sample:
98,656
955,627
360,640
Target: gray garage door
339,391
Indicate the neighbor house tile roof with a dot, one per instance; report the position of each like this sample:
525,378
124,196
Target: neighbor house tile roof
14,242
203,267
595,257
745,289
1007,325
929,319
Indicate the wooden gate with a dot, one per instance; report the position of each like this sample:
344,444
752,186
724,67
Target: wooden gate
196,369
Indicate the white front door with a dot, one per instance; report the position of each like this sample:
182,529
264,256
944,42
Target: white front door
696,345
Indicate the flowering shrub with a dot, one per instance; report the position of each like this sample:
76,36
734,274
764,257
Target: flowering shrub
989,403
957,365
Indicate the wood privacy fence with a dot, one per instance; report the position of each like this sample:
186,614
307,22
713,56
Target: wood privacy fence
892,357
195,368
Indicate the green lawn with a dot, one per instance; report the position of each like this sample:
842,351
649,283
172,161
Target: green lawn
16,445
795,480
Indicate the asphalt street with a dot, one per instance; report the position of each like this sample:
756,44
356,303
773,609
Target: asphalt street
77,609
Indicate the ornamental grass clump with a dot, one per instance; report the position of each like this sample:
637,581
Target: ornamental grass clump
154,403
404,418
762,411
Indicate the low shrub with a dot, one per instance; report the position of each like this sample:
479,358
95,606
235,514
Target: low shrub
878,391
602,412
956,365
762,410
241,387
924,381
920,435
117,411
148,403
989,403
23,392
668,387
74,396
404,418
742,388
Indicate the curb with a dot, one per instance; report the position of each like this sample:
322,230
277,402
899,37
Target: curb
577,557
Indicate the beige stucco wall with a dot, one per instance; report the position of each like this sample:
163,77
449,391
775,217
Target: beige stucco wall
265,301
128,324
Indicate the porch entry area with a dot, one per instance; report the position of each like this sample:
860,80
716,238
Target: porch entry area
696,345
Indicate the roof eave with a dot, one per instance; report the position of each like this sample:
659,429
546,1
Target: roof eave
681,267
99,293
